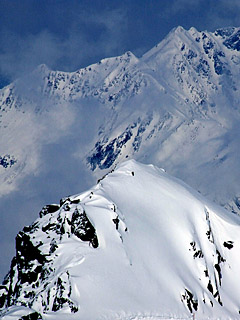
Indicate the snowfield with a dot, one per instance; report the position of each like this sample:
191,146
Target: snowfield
138,245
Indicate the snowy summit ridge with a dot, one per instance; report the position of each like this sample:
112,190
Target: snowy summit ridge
138,245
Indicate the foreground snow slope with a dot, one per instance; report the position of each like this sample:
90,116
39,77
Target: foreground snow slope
138,245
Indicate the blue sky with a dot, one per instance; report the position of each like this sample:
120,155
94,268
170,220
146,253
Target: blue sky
69,34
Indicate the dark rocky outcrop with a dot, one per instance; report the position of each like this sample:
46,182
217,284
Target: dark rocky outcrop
62,295
116,222
228,244
32,316
191,303
82,228
7,161
51,208
32,277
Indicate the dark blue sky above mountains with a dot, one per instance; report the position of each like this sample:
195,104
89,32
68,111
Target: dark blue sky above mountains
69,34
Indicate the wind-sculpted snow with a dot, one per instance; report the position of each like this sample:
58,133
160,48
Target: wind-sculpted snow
138,245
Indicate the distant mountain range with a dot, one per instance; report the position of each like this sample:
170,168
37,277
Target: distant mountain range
177,107
138,245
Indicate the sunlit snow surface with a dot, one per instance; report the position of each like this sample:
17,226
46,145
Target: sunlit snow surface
171,254
176,107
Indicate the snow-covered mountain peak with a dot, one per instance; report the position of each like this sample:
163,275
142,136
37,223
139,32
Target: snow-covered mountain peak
139,243
176,107
193,30
200,64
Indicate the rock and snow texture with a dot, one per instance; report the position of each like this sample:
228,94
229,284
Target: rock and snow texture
176,107
138,245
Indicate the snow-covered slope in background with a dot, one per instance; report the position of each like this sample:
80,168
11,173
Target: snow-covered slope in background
138,245
177,106
186,118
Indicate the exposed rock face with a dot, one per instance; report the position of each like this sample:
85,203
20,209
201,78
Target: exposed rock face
31,279
7,161
32,316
